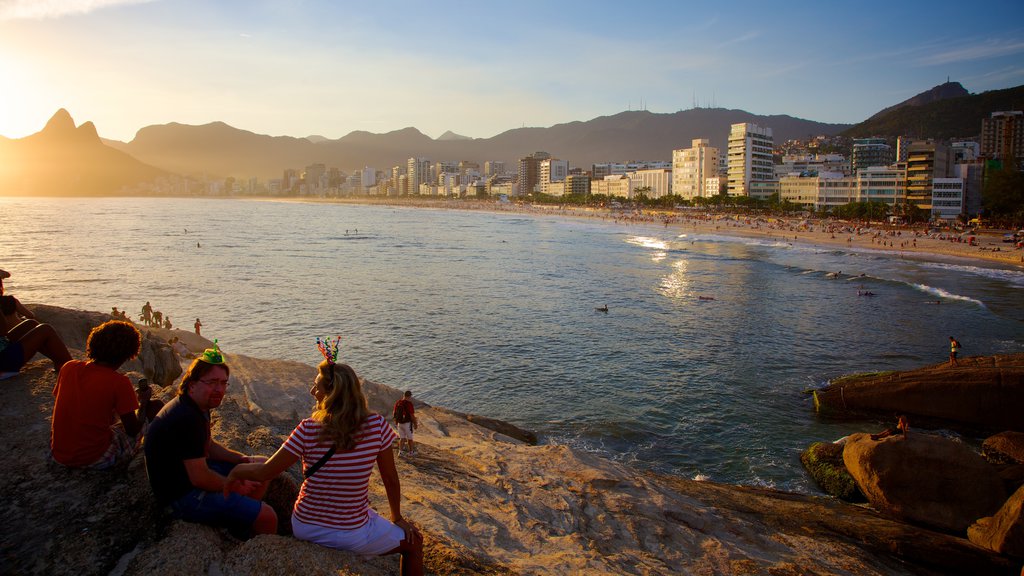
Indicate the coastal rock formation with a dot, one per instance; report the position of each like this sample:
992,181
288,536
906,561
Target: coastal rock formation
1003,532
1004,448
924,479
981,392
824,462
159,363
487,504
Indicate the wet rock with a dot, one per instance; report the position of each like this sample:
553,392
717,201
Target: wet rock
824,462
981,393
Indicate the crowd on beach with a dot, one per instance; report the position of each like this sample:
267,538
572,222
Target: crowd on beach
101,421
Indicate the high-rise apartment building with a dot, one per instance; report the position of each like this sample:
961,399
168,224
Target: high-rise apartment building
750,157
692,167
494,168
417,172
529,172
871,152
1002,136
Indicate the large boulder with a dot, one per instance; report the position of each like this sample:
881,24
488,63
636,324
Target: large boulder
980,393
1004,532
1005,447
924,479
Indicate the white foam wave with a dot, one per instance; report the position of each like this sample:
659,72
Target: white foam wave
1015,277
945,294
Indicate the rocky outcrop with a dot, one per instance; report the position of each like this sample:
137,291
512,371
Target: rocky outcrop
159,363
1003,532
924,479
824,462
486,503
1005,447
981,392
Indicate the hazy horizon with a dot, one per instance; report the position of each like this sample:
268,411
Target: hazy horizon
317,68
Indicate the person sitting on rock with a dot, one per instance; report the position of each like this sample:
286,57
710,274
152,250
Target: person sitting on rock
902,427
21,338
187,468
338,446
97,416
179,348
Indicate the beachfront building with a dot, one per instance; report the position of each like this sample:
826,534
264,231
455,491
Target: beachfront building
657,182
886,184
750,157
529,172
763,189
827,190
947,198
577,185
870,152
972,174
692,167
552,170
417,172
616,185
1002,136
926,161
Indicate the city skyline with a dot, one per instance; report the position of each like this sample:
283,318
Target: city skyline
315,68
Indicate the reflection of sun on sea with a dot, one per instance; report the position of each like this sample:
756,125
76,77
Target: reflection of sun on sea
676,285
646,242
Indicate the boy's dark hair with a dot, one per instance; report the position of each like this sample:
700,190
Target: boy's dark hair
113,343
8,305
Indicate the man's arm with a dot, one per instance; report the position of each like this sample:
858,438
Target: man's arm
24,312
218,452
200,475
132,423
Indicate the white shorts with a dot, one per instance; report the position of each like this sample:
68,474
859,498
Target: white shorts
378,536
405,431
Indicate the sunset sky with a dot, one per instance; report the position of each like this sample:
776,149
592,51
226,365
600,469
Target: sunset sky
299,67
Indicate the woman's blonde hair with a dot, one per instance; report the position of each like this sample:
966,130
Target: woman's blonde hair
344,407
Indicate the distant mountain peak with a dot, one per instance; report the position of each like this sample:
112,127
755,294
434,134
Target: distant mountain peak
943,91
60,123
449,135
316,138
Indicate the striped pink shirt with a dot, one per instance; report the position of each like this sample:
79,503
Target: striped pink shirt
337,495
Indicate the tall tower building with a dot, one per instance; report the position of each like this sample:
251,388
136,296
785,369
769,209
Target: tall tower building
691,168
417,172
750,157
529,172
1002,136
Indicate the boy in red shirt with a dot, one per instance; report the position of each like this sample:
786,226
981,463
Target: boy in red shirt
97,418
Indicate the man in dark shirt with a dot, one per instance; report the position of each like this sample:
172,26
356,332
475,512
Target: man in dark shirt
187,468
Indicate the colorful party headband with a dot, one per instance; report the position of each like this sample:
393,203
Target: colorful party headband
213,355
330,351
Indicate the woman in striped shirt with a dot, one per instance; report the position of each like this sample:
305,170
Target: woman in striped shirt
338,446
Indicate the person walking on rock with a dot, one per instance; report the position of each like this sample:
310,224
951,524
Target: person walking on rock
405,417
954,349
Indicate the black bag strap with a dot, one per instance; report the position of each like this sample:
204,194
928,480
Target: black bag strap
323,459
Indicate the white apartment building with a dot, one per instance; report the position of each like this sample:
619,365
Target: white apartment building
616,185
552,170
693,167
417,172
831,189
750,157
947,198
659,181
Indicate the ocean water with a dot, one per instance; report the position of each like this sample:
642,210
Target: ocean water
495,314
